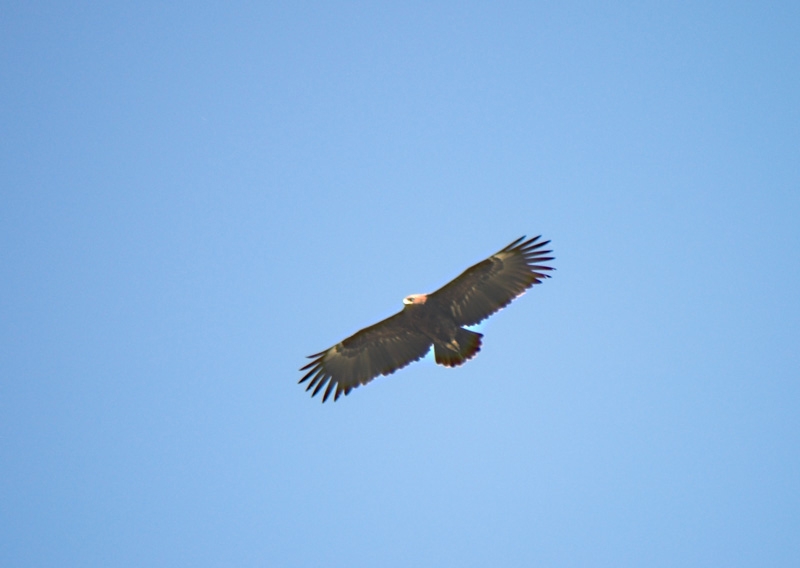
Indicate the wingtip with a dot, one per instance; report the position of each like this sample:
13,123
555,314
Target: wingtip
331,384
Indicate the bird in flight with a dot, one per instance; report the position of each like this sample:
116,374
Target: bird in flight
436,319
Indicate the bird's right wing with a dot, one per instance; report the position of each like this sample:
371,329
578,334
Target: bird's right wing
380,349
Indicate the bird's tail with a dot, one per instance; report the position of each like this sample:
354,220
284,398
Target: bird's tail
465,345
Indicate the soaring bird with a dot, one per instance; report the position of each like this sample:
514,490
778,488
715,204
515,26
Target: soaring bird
431,319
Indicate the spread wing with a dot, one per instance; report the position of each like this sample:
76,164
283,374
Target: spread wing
380,349
483,289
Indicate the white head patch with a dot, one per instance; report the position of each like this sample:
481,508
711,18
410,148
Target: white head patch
415,299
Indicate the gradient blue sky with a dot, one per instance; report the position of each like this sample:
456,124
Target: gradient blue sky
195,196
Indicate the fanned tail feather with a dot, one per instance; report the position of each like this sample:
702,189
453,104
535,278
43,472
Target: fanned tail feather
468,343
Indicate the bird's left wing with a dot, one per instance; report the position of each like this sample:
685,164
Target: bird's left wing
490,285
380,349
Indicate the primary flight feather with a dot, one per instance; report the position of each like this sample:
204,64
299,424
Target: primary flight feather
435,319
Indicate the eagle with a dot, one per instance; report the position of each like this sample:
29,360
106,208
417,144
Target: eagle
436,319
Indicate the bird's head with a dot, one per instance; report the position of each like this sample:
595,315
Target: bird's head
415,299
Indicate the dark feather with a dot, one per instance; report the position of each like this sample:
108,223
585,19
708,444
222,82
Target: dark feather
380,349
490,285
469,343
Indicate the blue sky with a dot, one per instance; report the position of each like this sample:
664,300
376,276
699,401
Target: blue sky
195,197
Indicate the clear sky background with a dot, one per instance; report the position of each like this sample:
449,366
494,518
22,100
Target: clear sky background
195,196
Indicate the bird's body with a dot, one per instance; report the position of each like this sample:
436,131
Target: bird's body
452,345
435,319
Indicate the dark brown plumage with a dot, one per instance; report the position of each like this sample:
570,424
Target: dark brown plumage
431,319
